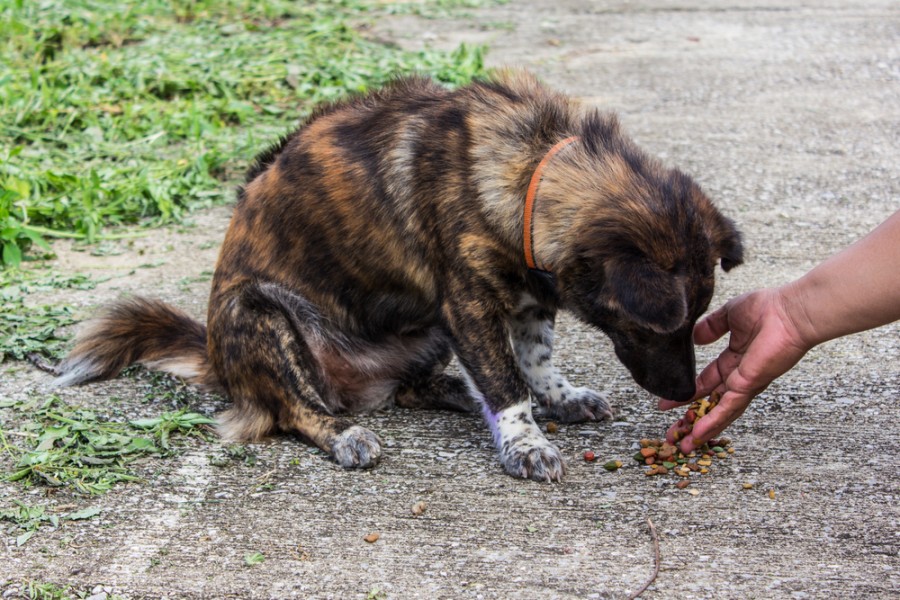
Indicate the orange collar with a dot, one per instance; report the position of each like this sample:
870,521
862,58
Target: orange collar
529,203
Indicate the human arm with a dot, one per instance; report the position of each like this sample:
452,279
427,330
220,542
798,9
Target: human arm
772,329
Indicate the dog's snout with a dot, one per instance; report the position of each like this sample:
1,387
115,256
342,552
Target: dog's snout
677,390
681,392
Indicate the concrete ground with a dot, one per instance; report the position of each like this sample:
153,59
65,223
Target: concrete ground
788,113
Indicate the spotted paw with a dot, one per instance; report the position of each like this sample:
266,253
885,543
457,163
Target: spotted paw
532,457
356,448
580,404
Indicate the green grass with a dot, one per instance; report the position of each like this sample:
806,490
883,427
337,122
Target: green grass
35,590
30,329
49,443
28,519
123,112
58,445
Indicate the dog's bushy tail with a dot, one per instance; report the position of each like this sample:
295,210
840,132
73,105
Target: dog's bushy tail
139,330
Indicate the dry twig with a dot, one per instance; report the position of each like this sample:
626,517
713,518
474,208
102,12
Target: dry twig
655,563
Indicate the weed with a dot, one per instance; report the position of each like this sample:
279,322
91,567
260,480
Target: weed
166,390
25,329
439,8
182,422
30,518
254,558
47,591
186,282
134,112
376,593
51,591
234,453
74,447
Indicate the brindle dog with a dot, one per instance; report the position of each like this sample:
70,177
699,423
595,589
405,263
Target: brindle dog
394,230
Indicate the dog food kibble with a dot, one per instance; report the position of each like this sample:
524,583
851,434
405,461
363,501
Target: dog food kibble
552,427
372,537
696,411
612,465
418,508
662,457
590,456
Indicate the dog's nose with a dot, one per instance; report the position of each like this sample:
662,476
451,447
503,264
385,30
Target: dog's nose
681,392
684,393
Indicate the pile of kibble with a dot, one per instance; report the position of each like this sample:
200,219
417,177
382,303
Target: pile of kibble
663,457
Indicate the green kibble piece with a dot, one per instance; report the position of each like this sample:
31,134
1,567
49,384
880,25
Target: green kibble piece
670,465
612,465
639,457
718,449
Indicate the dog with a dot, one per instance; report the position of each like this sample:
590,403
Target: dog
396,229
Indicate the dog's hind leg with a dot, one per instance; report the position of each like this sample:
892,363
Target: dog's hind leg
427,386
531,330
259,347
441,392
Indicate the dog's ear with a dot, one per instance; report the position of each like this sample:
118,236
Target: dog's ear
726,242
645,293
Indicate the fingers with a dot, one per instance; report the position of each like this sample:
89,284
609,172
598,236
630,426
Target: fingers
731,406
717,372
712,326
711,378
663,404
670,433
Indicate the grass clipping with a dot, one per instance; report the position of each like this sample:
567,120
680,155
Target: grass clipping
73,447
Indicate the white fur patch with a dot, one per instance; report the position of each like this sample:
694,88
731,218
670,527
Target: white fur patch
77,371
516,423
532,340
524,451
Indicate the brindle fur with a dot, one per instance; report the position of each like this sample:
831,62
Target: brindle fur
384,236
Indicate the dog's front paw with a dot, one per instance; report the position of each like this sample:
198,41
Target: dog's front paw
531,456
356,448
579,404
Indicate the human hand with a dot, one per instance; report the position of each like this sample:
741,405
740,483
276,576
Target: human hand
764,344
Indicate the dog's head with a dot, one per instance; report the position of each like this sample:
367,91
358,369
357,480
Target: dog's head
641,267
